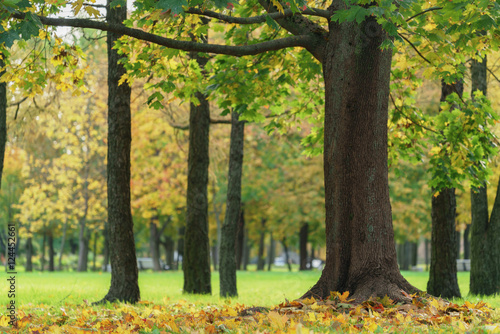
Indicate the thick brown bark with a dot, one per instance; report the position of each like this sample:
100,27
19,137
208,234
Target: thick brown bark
29,255
360,250
485,231
227,267
196,261
444,242
105,251
3,118
154,244
124,274
303,236
443,271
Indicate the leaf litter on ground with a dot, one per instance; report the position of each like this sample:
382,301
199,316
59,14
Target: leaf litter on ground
335,314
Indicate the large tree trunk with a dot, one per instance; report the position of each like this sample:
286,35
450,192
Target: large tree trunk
485,231
124,274
29,255
303,236
3,118
360,250
154,244
443,271
227,267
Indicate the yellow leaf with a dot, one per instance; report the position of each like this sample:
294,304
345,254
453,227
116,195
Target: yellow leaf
92,11
311,316
277,320
77,6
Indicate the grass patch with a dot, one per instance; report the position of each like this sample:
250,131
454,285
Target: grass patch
255,288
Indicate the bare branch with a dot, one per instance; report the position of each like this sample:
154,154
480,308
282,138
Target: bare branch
493,74
415,48
241,50
425,11
258,19
94,5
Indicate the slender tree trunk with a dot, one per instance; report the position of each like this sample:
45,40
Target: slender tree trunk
94,257
303,236
287,257
227,267
29,255
105,251
485,231
196,264
240,239
414,254
270,254
50,240
83,246
467,242
261,261
360,250
124,274
443,271
63,240
154,243
168,244
42,254
3,118
427,260
246,250
216,246
180,247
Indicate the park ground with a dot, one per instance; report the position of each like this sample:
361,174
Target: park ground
61,303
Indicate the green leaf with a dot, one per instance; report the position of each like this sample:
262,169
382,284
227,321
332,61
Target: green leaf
174,5
271,23
9,38
117,3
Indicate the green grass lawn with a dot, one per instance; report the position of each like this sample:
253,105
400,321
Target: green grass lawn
255,288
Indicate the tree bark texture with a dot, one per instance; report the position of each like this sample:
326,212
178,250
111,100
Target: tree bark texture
485,231
227,266
3,119
124,274
105,252
303,236
196,262
443,271
466,239
360,250
444,242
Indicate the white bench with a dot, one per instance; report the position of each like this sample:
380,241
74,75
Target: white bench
463,265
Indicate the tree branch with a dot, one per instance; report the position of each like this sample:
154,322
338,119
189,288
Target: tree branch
493,74
415,48
242,50
258,19
425,11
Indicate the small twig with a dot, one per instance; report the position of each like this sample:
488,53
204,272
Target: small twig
493,74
